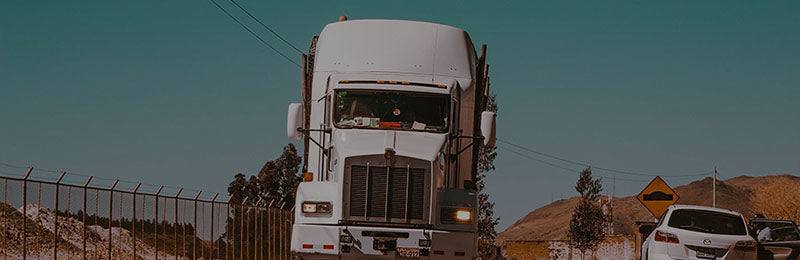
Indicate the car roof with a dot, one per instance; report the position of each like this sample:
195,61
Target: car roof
696,207
771,220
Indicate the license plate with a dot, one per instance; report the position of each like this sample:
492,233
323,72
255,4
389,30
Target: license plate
708,255
407,253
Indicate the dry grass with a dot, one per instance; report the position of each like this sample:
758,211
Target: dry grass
779,198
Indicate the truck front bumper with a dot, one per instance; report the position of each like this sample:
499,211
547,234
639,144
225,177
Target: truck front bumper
316,241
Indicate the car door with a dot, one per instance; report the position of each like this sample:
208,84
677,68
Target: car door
785,239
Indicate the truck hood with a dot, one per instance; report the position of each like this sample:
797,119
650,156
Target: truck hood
357,142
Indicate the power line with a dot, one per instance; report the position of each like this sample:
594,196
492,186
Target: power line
267,27
13,166
536,159
594,167
562,167
254,34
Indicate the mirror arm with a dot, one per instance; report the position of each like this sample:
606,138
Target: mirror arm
306,132
453,156
475,138
453,137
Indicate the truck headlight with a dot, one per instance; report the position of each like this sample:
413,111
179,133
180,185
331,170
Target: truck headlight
316,207
456,216
463,215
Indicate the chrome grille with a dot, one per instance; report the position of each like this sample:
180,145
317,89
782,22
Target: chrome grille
387,192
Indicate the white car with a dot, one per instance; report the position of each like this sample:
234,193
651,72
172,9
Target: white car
697,232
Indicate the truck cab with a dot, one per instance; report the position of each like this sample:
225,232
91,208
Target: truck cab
392,119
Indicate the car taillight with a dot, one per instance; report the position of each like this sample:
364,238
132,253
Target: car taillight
746,245
664,236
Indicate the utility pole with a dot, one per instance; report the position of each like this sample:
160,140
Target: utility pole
611,202
714,189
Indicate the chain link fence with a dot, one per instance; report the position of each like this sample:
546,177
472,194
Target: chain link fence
48,214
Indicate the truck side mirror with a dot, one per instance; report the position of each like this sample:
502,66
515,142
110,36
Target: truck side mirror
488,128
294,120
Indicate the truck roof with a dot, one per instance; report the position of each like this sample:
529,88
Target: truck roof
395,46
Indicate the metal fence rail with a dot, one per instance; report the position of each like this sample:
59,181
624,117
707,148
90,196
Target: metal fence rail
54,215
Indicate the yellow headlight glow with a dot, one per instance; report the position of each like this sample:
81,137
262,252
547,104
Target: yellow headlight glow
463,215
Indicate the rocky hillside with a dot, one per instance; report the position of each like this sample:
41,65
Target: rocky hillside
551,222
40,237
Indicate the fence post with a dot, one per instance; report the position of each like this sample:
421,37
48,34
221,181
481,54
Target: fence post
228,230
176,221
203,226
85,185
133,223
194,224
211,238
5,201
241,229
155,221
110,214
260,232
279,232
55,217
183,241
255,230
280,225
270,233
25,213
246,230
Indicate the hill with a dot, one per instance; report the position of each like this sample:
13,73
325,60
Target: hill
551,221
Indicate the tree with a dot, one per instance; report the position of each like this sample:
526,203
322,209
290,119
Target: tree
276,181
486,220
586,226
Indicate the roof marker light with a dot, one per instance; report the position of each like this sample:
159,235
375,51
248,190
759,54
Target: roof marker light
392,82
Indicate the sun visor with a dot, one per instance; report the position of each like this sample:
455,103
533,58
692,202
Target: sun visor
374,79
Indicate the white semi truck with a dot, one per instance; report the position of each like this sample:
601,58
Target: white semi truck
392,118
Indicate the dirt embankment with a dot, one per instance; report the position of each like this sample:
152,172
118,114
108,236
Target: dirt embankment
551,221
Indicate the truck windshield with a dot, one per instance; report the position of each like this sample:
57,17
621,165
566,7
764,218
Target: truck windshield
391,110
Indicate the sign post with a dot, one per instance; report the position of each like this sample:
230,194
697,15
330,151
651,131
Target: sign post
657,197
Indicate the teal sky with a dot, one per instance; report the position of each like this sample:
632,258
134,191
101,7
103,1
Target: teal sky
175,93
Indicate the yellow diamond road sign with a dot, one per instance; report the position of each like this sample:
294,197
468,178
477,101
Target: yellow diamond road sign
657,197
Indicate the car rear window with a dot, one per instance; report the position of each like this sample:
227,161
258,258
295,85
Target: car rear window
707,222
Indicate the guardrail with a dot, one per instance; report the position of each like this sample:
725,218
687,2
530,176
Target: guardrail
55,215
